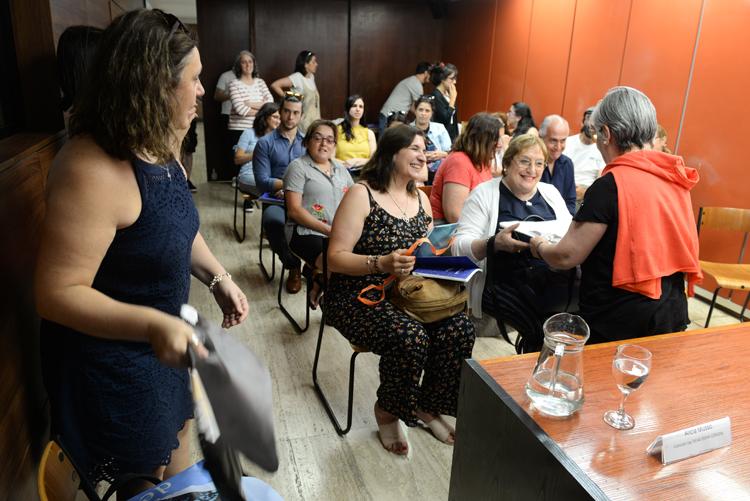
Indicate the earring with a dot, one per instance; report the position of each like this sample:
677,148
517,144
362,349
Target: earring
605,142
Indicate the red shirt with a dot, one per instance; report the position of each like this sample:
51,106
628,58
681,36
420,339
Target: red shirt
456,168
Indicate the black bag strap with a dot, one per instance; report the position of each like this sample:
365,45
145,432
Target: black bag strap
128,477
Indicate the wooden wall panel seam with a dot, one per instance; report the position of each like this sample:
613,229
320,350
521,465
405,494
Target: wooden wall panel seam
492,57
570,55
625,45
528,50
690,78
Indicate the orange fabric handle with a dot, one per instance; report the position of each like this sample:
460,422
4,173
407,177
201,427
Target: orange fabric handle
392,278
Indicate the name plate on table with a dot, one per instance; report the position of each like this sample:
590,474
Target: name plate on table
689,442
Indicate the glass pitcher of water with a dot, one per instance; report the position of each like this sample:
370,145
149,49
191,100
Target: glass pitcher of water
556,385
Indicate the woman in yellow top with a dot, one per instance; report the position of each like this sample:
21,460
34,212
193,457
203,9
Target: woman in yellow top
356,142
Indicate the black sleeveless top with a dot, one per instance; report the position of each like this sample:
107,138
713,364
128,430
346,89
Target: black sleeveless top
116,407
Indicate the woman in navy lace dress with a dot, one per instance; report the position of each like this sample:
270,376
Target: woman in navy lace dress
119,243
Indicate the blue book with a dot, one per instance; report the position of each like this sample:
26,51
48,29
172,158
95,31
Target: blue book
456,268
439,236
268,199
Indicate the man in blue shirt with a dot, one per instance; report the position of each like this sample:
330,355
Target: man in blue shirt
559,169
273,154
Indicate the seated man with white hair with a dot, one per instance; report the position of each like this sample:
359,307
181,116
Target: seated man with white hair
559,169
587,160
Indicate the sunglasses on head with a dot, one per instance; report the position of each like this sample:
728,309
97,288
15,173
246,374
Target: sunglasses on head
173,22
291,95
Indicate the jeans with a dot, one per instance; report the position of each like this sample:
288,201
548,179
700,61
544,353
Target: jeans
273,223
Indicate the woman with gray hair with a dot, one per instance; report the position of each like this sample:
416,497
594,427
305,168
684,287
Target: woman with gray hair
634,235
248,94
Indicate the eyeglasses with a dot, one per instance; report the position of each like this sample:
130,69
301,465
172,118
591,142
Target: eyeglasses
526,163
174,22
319,138
293,96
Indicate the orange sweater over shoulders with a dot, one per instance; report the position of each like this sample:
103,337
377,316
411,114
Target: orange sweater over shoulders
657,233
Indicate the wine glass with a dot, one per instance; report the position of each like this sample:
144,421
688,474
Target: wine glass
630,368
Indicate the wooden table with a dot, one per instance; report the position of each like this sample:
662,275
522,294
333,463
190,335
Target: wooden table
506,450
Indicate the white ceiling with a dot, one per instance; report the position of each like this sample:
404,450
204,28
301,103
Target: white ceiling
184,9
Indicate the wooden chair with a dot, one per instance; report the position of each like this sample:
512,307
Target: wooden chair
57,479
427,190
356,350
727,275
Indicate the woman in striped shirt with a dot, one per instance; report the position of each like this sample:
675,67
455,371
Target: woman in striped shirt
248,93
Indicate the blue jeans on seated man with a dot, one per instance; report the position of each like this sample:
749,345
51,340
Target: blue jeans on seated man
274,225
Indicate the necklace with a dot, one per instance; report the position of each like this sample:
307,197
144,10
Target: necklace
403,212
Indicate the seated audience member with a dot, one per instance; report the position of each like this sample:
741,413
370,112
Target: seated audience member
396,118
273,154
404,94
302,82
515,287
266,120
634,235
468,165
660,140
117,248
356,143
502,145
587,161
436,137
378,219
520,120
444,78
559,169
248,92
314,185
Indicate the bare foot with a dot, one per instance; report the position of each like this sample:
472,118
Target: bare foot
440,428
390,432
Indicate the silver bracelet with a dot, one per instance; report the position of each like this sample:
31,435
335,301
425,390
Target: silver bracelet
215,281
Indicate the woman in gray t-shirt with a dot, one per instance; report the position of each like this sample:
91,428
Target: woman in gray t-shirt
314,185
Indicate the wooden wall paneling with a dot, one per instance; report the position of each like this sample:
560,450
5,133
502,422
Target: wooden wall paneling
549,49
23,417
66,13
223,30
467,43
283,29
35,56
658,54
599,32
380,54
713,137
510,53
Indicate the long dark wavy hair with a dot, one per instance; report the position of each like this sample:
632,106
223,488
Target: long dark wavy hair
378,171
525,120
346,124
128,101
261,118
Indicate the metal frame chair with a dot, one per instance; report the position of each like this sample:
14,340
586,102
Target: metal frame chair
245,196
356,350
286,313
263,269
727,275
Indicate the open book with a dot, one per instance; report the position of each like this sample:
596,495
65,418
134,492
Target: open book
553,230
456,268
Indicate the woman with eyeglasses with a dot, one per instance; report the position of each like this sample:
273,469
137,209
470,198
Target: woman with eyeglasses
444,77
468,165
515,288
420,364
248,94
356,142
314,185
302,84
118,245
437,140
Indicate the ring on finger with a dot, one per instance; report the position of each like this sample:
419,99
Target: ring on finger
195,340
